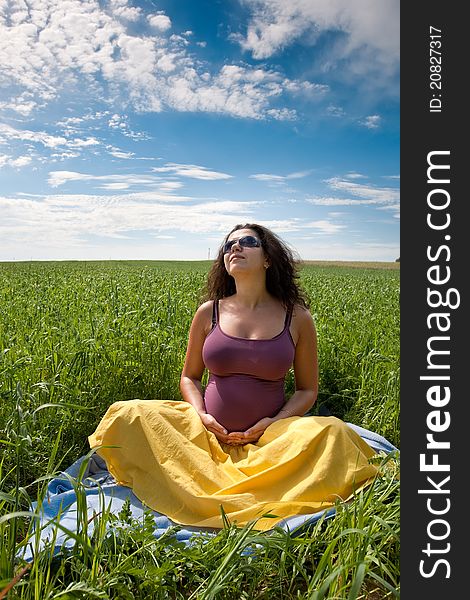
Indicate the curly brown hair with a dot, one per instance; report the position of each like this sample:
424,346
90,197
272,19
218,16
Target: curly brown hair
281,277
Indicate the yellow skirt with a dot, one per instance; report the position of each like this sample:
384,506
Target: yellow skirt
300,465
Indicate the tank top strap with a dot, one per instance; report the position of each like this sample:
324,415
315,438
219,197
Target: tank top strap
288,318
215,313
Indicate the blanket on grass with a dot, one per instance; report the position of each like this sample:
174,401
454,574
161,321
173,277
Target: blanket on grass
58,512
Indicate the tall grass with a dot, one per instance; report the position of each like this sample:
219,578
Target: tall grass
354,555
75,337
357,317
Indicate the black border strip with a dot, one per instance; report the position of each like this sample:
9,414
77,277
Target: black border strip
434,322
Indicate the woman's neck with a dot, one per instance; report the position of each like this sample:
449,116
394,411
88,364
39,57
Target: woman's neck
251,293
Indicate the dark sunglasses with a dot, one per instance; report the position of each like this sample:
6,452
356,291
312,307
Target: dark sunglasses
247,241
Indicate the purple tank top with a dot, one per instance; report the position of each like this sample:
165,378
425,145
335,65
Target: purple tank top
246,377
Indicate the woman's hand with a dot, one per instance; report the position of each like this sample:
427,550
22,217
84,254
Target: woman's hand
251,435
212,425
235,438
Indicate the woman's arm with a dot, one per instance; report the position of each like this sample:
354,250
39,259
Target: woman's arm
306,378
193,369
305,369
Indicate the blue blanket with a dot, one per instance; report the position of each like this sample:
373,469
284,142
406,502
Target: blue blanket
59,506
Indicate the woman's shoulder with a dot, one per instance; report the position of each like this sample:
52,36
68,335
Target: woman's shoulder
301,313
203,316
302,319
205,307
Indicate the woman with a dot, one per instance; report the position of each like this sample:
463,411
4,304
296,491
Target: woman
239,445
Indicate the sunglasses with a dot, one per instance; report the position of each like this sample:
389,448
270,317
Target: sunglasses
247,241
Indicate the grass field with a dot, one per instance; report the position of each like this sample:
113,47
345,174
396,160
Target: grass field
77,336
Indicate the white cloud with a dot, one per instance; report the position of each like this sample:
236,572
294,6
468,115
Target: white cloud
395,207
297,225
63,47
128,225
191,171
120,123
121,10
120,153
70,139
16,163
114,186
335,111
60,221
318,249
58,178
282,114
160,21
372,121
382,198
268,177
23,104
20,161
371,29
241,91
60,156
116,181
374,194
324,226
281,226
280,179
332,201
80,143
299,174
354,175
9,134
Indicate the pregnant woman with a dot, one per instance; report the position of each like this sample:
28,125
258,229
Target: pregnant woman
239,444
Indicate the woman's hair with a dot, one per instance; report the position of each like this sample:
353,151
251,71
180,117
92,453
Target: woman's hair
281,275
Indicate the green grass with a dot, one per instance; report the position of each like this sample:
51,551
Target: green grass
75,337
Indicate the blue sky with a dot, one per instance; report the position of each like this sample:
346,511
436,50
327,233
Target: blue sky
148,129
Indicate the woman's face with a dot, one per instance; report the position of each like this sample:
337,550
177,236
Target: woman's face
245,253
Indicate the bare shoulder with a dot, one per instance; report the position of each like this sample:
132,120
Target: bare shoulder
205,308
302,315
303,324
202,319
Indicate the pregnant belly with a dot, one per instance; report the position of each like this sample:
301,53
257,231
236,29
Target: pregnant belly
237,402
